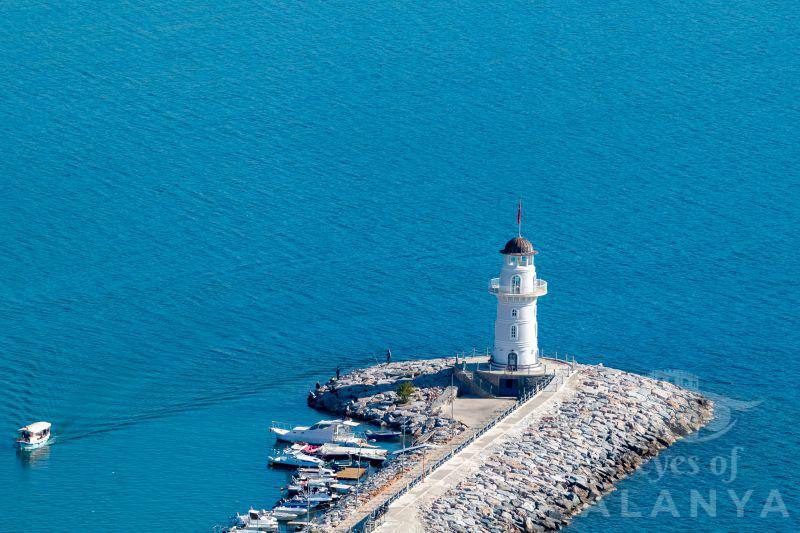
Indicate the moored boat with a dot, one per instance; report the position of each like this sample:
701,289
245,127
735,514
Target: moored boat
350,462
255,520
312,472
313,501
341,488
323,432
294,459
370,454
33,436
284,514
320,481
382,434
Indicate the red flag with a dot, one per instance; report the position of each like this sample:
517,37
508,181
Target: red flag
519,213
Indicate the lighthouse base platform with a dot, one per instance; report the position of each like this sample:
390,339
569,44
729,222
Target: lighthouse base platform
477,376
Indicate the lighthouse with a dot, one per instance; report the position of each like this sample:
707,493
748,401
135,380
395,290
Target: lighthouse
516,343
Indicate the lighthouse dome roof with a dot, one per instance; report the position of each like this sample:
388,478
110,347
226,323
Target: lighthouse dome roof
518,246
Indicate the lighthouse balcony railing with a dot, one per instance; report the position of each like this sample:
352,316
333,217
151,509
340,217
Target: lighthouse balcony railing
539,288
474,368
465,361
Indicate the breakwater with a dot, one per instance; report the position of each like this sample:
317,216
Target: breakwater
557,460
370,394
569,454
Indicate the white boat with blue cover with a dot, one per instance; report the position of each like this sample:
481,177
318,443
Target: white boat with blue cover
33,436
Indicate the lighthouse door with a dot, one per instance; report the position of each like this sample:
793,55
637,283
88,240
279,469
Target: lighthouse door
512,361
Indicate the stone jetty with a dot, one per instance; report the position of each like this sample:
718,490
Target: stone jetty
552,464
370,394
565,458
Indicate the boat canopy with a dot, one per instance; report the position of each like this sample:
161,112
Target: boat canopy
36,427
323,423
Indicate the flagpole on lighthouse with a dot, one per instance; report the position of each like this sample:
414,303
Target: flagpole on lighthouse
519,218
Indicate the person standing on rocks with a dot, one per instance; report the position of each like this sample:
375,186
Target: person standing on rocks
388,356
338,371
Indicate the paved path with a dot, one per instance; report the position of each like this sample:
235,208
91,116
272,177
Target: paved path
403,515
477,412
491,408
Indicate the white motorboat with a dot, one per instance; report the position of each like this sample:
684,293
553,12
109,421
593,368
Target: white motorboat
371,454
295,459
255,520
300,484
320,481
309,473
284,514
33,436
323,432
297,511
312,501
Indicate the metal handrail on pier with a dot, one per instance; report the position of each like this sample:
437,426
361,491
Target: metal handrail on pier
372,520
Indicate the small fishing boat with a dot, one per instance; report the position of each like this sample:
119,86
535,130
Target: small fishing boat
33,436
294,459
382,434
323,432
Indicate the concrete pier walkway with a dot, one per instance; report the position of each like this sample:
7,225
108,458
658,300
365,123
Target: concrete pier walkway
403,514
474,412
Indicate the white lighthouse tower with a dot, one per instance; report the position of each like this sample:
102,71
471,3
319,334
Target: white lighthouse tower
516,345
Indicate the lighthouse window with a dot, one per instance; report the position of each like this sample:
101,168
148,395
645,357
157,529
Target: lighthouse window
513,313
513,332
516,281
523,261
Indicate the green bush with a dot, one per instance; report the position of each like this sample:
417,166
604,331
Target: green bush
404,391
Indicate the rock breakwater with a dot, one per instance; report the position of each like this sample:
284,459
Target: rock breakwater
370,394
562,460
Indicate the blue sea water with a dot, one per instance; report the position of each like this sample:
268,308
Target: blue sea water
205,207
